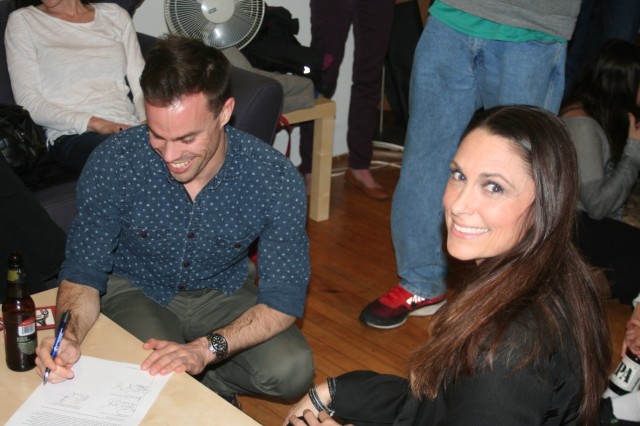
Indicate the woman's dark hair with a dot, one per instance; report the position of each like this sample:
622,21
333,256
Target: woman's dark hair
542,275
607,87
180,66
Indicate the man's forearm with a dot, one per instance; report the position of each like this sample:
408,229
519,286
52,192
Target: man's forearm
83,302
256,325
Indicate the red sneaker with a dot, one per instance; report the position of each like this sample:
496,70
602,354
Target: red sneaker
393,309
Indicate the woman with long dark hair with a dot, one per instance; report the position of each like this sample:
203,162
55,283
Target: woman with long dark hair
601,115
524,340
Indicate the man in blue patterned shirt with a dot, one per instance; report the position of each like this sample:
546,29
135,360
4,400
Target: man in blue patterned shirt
166,215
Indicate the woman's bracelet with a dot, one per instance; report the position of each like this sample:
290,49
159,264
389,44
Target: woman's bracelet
317,402
331,383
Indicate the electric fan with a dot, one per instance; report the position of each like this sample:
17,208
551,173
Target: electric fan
218,23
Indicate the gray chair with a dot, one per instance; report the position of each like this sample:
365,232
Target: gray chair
259,101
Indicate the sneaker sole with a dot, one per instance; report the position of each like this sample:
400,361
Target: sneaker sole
420,312
427,310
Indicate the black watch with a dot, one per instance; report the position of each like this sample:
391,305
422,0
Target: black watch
218,345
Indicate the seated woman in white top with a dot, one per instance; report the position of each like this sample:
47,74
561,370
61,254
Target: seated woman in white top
75,66
601,115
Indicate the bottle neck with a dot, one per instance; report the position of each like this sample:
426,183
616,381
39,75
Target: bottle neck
16,284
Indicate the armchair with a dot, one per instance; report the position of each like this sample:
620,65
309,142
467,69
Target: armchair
258,105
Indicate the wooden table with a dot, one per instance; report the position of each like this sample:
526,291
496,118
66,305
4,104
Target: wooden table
183,401
323,115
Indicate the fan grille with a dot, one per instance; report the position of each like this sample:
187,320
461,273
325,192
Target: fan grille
187,18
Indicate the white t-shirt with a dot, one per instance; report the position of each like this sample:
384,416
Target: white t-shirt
63,73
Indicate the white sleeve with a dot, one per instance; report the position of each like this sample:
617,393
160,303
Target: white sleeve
26,82
135,65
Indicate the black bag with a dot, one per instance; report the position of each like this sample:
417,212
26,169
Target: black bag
23,145
275,47
22,142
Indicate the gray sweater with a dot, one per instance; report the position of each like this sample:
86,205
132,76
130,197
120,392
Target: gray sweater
604,187
555,17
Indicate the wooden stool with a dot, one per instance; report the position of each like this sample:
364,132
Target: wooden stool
323,115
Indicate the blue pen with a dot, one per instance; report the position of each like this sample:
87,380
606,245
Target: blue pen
56,344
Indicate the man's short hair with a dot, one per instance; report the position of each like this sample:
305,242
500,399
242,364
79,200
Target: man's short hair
180,66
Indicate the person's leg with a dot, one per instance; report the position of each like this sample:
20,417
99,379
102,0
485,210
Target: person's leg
26,226
615,247
281,367
72,151
621,19
443,98
371,32
330,24
141,316
538,78
587,33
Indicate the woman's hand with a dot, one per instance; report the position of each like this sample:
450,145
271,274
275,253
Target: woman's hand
105,127
632,333
305,404
634,131
299,409
310,419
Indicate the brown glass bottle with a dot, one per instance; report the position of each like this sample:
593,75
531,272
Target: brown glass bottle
19,317
626,376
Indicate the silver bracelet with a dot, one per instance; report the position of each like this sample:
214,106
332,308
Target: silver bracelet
317,402
331,383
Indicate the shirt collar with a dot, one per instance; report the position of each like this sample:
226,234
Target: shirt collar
231,168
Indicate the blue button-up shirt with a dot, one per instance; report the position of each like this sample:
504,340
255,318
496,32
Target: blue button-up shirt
136,221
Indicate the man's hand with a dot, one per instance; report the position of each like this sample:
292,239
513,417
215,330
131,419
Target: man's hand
61,367
167,356
84,303
632,333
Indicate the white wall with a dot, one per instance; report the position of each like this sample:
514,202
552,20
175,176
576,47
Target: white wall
149,19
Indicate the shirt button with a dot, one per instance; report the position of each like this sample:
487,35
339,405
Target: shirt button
144,234
191,235
237,245
186,263
182,287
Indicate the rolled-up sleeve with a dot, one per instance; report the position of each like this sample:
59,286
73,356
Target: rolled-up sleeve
93,236
283,249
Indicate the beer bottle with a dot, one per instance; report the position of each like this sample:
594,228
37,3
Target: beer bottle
626,376
19,317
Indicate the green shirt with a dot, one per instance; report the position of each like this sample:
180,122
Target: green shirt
476,26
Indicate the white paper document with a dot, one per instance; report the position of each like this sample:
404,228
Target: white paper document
101,393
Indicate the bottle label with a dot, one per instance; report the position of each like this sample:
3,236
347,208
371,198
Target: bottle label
627,375
27,327
13,275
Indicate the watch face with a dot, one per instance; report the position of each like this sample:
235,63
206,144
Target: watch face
218,345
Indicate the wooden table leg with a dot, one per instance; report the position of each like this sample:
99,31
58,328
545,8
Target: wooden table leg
320,195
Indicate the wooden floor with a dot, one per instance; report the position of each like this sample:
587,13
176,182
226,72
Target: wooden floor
352,263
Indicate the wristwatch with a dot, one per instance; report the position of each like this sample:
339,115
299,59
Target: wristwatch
218,345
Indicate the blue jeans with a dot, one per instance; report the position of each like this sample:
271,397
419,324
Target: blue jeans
72,151
453,76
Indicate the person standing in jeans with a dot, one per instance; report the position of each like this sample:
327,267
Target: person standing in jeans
471,55
330,24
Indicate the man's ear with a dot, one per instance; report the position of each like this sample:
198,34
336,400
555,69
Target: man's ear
226,111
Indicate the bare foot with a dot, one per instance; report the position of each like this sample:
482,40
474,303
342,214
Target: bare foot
365,177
